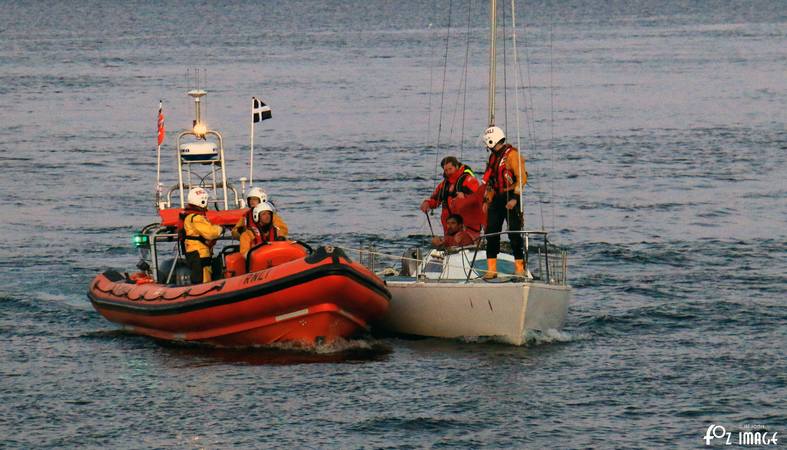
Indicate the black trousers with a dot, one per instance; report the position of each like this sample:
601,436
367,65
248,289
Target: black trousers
196,263
496,215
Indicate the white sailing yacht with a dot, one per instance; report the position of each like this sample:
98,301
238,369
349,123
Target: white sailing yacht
442,294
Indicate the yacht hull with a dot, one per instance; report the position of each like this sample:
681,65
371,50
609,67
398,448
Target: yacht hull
504,311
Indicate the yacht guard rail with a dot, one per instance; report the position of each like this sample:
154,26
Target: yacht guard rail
548,262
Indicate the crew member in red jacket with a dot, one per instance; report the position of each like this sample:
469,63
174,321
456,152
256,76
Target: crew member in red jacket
458,193
456,235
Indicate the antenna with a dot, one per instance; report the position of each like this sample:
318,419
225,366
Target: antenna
205,83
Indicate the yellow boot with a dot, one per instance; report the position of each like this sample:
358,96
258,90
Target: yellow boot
519,267
491,269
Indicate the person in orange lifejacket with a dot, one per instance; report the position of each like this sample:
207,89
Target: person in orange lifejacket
254,198
456,235
261,230
502,182
198,236
457,195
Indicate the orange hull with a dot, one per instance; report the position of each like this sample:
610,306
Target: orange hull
311,300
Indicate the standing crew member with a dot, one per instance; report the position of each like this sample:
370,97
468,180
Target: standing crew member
501,196
198,236
254,198
456,194
261,229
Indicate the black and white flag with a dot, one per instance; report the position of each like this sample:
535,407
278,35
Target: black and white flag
259,110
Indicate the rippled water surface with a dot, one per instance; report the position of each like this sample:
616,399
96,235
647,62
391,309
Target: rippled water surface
661,168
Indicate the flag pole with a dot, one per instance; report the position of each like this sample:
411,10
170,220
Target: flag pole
251,146
159,121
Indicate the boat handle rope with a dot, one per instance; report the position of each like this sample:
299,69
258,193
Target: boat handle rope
185,293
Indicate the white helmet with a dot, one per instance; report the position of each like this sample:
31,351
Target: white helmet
263,206
198,197
492,136
257,192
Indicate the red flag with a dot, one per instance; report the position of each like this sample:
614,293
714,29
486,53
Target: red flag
161,129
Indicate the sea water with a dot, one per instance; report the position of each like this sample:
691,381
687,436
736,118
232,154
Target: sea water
656,145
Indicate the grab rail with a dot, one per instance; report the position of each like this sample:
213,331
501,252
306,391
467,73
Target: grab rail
552,260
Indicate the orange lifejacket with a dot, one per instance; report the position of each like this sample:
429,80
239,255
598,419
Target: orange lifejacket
261,235
498,175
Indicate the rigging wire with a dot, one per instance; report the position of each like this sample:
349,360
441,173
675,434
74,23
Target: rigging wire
516,104
442,93
520,88
529,97
505,72
553,201
531,128
428,133
467,62
462,89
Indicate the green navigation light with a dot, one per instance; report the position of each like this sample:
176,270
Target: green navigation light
140,240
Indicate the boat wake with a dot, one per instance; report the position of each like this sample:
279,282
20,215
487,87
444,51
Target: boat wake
550,336
285,353
532,338
339,345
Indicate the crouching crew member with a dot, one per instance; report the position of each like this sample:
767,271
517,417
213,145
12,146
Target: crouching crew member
253,198
198,236
503,170
261,230
456,235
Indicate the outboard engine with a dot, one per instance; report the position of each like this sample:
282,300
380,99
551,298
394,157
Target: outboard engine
181,276
410,261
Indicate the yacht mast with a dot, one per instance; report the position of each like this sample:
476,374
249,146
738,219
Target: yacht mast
492,60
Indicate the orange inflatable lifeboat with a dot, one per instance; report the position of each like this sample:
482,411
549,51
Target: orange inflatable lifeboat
280,294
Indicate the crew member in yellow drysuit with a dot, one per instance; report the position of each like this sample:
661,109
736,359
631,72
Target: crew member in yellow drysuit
261,231
254,198
199,236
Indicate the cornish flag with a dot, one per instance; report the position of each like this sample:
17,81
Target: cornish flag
259,110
